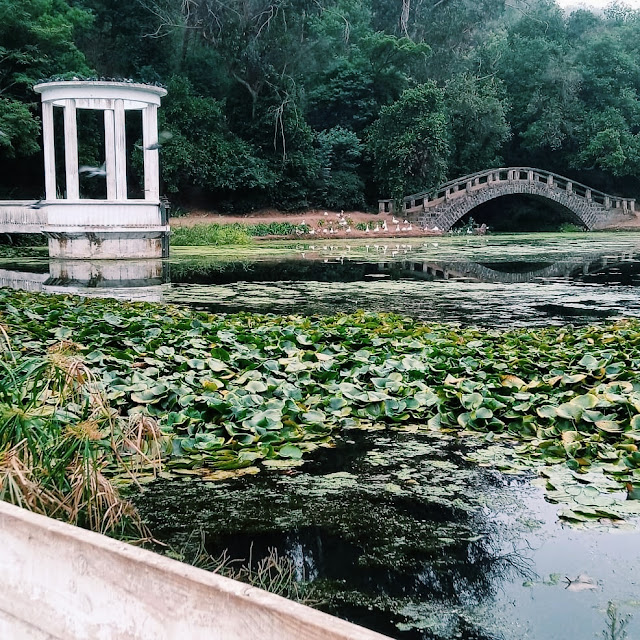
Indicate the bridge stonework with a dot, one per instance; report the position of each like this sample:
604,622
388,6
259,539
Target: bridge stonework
446,205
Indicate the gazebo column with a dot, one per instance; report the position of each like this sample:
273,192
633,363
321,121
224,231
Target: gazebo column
71,150
120,150
110,152
151,164
48,146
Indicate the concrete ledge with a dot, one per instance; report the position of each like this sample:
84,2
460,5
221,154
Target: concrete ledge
61,582
99,243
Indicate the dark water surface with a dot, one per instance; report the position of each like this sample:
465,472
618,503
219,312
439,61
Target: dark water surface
503,281
400,533
399,530
518,280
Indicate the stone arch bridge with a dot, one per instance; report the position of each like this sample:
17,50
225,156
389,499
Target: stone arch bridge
443,207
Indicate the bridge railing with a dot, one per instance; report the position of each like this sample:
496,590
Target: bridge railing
480,180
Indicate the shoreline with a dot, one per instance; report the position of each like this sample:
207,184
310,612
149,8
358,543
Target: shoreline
325,224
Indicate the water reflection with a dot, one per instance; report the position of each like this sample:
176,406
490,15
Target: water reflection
135,280
393,544
541,287
399,534
499,282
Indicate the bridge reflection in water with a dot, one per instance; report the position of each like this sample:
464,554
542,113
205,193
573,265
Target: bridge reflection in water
508,272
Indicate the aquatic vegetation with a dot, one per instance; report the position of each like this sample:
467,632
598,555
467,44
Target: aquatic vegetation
273,572
238,391
232,234
60,441
210,234
278,229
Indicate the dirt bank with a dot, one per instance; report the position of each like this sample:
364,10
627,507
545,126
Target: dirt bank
322,222
320,219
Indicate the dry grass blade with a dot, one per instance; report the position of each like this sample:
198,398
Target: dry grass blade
93,498
19,484
142,440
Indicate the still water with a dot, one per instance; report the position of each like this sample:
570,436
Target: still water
398,530
507,280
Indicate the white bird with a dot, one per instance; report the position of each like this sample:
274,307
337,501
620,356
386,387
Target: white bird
92,172
397,227
395,220
405,222
366,229
410,228
348,229
325,213
376,229
312,232
325,231
384,225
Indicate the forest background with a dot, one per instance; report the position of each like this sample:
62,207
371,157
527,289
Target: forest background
334,103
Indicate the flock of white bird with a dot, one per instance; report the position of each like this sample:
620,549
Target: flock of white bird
343,225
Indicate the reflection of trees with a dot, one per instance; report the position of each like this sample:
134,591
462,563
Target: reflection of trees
364,548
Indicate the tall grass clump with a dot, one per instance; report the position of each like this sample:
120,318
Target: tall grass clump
210,235
278,229
61,443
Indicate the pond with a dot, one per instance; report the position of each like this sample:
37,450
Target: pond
413,534
500,281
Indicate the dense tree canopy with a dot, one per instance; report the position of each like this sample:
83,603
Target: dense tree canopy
334,103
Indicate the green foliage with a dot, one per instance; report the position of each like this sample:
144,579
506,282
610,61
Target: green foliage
478,126
19,129
268,103
239,391
340,153
37,39
59,441
202,150
277,229
210,235
408,143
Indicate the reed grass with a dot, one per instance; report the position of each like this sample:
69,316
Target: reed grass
61,443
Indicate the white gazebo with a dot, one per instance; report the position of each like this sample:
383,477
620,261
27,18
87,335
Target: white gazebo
117,226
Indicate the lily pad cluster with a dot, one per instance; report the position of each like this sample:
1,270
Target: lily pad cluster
236,391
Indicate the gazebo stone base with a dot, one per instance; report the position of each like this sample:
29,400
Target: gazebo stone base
112,243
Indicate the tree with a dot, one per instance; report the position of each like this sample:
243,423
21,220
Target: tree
36,42
340,154
409,142
202,152
478,126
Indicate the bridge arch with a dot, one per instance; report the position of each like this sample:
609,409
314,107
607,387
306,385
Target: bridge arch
443,207
576,210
